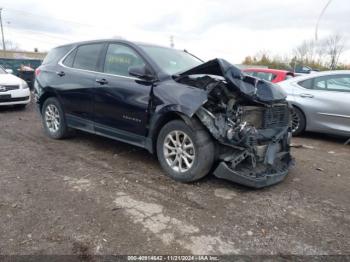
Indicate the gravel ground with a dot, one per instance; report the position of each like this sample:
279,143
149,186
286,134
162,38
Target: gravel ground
92,195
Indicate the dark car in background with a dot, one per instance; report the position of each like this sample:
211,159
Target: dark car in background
272,75
195,116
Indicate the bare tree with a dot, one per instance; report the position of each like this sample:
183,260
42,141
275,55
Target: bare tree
11,46
334,47
305,51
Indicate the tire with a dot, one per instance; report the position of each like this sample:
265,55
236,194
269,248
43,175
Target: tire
298,121
51,110
201,153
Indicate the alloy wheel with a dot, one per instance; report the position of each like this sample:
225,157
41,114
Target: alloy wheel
295,121
179,151
52,118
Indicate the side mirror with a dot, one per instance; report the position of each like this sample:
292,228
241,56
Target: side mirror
9,71
141,72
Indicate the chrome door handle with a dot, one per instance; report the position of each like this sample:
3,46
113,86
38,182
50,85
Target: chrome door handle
60,73
307,95
102,81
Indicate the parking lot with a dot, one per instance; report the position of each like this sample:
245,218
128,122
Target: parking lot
91,195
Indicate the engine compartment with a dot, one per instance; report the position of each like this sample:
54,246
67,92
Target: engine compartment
253,137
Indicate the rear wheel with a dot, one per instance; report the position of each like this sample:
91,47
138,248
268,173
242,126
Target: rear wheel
298,121
53,119
185,154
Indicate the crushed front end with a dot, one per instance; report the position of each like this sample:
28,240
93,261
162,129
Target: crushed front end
250,122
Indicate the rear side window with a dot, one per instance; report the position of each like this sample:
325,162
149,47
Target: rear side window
306,83
69,60
56,54
87,57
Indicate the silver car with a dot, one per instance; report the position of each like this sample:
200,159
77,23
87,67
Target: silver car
321,102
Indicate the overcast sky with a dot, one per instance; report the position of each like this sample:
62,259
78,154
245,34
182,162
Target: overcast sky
230,29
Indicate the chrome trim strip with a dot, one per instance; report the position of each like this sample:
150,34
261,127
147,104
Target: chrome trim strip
89,71
336,115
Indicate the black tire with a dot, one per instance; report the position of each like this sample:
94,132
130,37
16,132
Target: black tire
62,130
203,145
298,121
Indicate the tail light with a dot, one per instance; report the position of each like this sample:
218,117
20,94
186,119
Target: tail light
37,71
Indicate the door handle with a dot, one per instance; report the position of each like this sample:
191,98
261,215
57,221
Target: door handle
307,95
61,73
102,81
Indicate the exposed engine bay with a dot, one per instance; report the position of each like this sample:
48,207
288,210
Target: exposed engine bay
253,135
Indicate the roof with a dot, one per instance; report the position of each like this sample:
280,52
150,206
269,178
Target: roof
119,40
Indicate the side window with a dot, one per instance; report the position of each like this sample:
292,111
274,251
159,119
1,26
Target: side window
87,56
69,60
339,83
119,58
320,83
306,83
56,54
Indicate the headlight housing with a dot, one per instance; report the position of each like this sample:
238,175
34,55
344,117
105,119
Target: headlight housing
23,85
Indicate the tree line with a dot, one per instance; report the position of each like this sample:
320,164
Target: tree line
321,55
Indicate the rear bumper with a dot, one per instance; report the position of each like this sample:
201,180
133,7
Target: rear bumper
264,180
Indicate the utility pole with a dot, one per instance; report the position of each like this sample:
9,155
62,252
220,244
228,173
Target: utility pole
2,33
172,41
319,18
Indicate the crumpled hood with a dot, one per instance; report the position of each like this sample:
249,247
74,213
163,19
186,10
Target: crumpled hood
251,87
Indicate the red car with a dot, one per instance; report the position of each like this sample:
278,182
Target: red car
272,75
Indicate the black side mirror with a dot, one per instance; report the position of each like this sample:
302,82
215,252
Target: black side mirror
141,72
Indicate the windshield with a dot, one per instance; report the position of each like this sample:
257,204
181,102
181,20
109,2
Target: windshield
171,61
2,70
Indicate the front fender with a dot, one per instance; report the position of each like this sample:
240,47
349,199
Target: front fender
171,96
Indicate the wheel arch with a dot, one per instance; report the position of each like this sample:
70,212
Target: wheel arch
156,124
44,97
160,120
302,111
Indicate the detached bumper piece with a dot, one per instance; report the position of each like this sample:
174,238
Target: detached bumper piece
271,171
224,172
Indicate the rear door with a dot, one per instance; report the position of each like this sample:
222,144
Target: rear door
326,100
121,101
78,74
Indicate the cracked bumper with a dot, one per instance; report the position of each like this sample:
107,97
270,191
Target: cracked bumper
224,172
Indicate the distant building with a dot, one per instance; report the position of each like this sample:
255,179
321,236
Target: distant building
22,55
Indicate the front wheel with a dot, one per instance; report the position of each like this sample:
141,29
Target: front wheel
185,154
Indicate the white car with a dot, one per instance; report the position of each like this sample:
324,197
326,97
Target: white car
13,90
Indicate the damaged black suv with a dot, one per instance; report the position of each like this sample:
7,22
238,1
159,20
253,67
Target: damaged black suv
195,116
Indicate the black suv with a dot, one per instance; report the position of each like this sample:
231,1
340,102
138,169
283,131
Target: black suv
195,116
